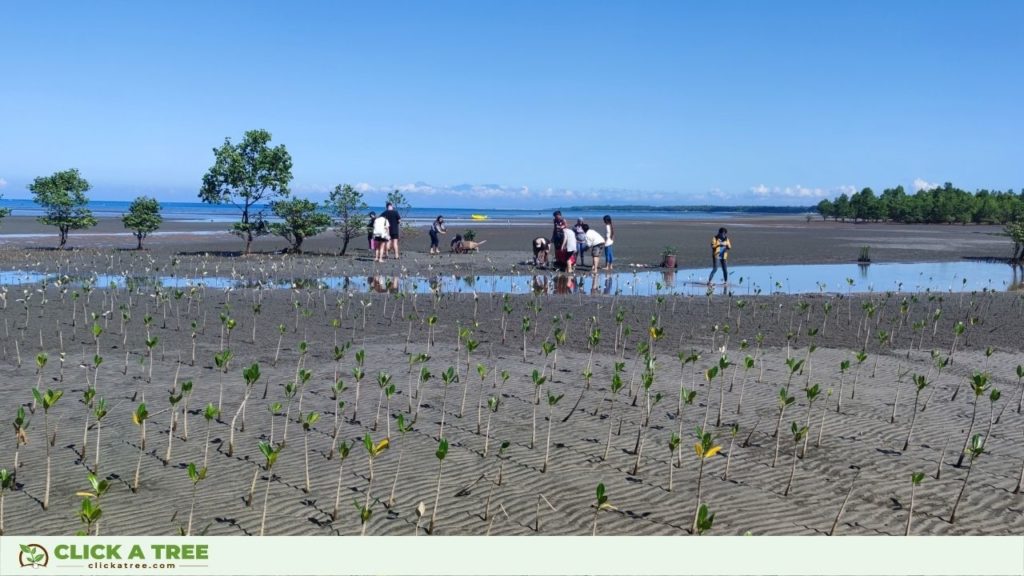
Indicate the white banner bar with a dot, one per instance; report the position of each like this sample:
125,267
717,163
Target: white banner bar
506,556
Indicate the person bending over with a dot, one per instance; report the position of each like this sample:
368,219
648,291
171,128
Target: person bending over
540,251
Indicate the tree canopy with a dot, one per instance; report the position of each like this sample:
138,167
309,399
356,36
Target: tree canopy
945,204
248,175
4,212
143,218
347,204
301,219
63,200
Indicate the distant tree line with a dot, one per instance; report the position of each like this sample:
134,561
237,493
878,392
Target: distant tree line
945,204
694,208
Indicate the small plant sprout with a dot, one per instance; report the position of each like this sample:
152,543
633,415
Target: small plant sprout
6,485
308,421
748,363
784,399
673,447
481,371
344,448
920,383
492,408
861,356
99,412
195,475
733,431
384,384
210,413
975,449
979,385
552,401
221,360
139,418
705,449
270,454
688,397
602,503
251,375
993,397
358,373
915,481
20,424
526,330
448,377
821,425
812,394
442,451
843,367
372,452
538,381
91,514
799,434
705,519
403,427
47,401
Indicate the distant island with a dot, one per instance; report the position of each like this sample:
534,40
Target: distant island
712,209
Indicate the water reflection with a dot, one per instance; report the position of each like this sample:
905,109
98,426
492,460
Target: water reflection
962,276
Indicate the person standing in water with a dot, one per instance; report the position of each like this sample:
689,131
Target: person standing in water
720,246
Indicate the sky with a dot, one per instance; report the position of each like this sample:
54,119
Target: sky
519,104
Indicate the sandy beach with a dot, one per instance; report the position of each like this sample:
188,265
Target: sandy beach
594,434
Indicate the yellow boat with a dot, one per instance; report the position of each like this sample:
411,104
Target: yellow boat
478,216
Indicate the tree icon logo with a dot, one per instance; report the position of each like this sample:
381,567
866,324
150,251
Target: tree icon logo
33,555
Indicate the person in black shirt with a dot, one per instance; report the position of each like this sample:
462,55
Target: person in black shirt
369,232
393,218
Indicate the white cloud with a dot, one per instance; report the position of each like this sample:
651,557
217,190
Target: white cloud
922,184
798,191
3,183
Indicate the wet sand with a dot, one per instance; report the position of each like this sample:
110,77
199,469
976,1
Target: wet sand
862,444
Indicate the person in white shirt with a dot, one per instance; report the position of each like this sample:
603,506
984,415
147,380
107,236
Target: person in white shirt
382,236
609,239
569,246
596,244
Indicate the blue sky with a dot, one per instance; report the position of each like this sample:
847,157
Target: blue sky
520,104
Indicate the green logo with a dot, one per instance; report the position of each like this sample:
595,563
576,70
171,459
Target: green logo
33,555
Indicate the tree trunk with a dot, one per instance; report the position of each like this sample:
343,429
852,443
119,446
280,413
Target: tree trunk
139,237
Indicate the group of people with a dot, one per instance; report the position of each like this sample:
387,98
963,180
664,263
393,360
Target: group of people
569,245
382,233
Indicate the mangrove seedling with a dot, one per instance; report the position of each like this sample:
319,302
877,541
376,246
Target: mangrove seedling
705,449
372,452
210,413
799,433
979,385
139,418
6,484
47,400
403,427
748,363
733,431
915,481
251,375
843,367
195,476
616,386
812,394
442,451
343,451
20,436
673,446
920,383
552,401
308,421
270,455
92,517
976,448
784,400
601,504
705,519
